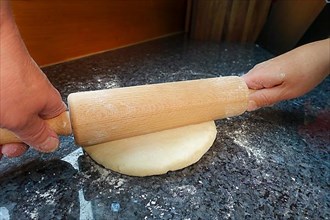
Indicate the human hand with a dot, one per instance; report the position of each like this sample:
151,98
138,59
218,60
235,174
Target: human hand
288,76
26,95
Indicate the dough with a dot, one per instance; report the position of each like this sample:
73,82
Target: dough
156,153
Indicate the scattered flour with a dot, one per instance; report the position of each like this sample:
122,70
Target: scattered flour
182,190
154,208
34,214
230,207
48,196
241,138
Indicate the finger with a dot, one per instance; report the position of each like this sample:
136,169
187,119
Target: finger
14,150
54,106
264,76
265,97
38,135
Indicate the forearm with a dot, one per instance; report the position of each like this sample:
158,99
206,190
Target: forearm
9,33
4,11
316,56
306,67
26,95
12,46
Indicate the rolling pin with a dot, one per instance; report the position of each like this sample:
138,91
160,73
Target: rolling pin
105,115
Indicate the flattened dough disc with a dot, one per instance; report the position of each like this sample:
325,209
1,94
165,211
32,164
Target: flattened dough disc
156,153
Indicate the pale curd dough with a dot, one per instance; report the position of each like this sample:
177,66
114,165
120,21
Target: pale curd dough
156,153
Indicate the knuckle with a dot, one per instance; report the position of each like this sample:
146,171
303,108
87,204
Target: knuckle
14,123
262,64
34,134
266,100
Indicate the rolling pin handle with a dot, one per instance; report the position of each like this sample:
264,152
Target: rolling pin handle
60,124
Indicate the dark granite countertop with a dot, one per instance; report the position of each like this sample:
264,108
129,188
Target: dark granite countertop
272,163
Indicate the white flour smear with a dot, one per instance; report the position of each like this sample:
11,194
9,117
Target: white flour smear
241,138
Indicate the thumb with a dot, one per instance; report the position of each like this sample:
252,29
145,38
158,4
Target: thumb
264,97
38,135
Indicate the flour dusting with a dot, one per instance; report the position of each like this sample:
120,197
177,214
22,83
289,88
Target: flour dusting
241,138
107,176
182,190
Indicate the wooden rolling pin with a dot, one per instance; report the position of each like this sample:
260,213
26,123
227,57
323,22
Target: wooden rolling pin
106,115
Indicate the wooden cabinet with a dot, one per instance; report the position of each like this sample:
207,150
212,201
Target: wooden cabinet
60,30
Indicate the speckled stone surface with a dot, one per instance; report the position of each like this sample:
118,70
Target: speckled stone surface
270,164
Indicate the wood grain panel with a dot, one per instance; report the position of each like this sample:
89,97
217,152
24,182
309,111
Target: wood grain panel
208,19
60,30
228,20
